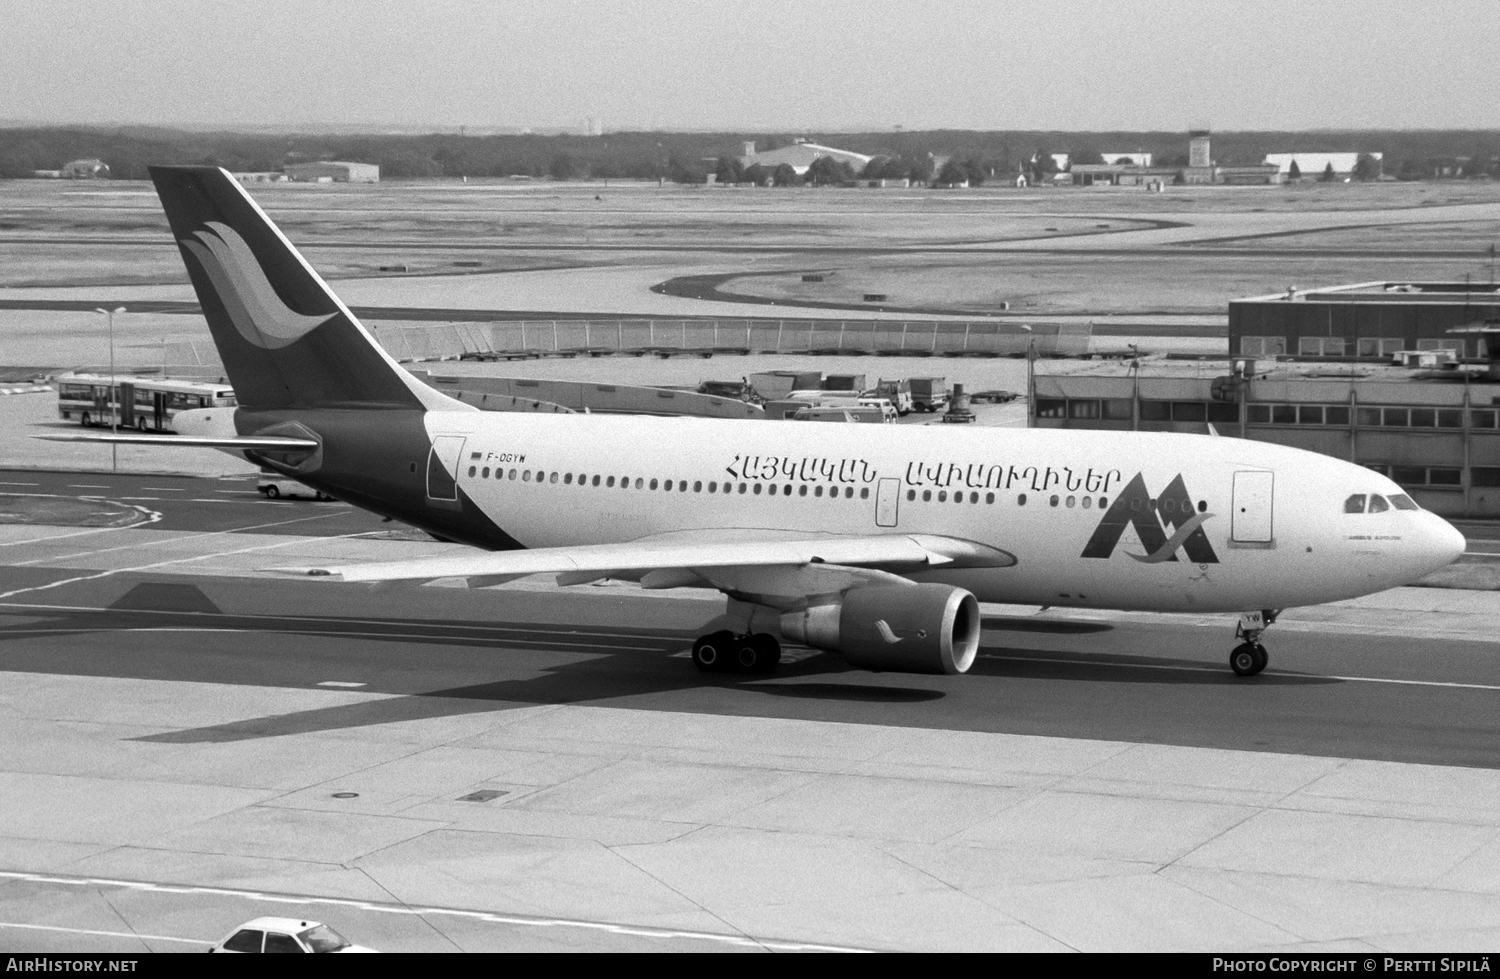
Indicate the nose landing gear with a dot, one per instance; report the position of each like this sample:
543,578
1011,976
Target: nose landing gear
1250,657
727,652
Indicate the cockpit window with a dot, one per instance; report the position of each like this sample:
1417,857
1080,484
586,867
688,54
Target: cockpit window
1355,504
1378,503
1403,502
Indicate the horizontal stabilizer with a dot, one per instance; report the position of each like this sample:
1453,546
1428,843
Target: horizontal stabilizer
253,443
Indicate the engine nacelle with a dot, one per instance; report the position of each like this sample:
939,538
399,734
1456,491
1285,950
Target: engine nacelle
898,628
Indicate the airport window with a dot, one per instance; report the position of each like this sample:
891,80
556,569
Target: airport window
526,476
1117,409
989,498
1087,502
1103,502
757,489
1083,409
1403,502
512,475
1423,418
1189,411
864,493
973,497
472,471
1378,503
1071,502
1219,411
1409,475
1262,346
1320,346
1377,467
484,473
926,496
911,495
1021,500
1450,418
653,484
802,490
1394,417
1053,501
1309,414
1379,346
1258,414
1445,476
713,487
568,480
698,486
1367,417
1482,419
552,478
1336,415
1284,414
848,492
609,482
639,482
1455,347
942,496
742,488
1355,504
1156,411
817,491
1051,408
596,481
1486,476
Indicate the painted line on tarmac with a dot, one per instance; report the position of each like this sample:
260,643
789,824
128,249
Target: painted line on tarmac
526,641
1216,670
105,934
383,623
742,941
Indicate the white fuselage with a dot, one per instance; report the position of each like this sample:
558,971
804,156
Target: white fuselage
1268,527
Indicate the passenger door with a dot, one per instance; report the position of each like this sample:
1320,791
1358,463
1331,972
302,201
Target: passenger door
1252,521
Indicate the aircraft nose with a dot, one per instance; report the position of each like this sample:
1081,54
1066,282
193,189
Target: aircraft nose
1441,542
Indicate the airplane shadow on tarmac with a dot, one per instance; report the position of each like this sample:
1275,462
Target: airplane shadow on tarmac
448,668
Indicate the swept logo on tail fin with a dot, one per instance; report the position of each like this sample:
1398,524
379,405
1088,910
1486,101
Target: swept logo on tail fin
256,310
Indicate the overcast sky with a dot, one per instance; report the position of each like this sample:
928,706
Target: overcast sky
755,64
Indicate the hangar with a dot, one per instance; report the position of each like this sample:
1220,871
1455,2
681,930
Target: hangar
333,171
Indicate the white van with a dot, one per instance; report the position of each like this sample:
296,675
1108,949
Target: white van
275,486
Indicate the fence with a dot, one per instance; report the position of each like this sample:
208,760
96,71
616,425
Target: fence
531,338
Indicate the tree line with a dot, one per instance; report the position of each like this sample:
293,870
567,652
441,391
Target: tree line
974,157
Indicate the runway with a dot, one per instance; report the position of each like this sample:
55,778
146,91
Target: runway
536,767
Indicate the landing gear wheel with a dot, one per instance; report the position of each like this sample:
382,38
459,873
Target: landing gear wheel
1248,659
85,421
140,424
711,652
768,648
272,492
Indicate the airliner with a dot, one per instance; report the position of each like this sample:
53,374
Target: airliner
877,542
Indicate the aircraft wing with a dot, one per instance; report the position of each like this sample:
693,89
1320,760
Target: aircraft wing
703,553
257,443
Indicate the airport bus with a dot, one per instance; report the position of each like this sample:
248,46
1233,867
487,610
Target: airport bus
144,403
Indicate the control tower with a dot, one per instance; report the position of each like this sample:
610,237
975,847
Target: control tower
1198,153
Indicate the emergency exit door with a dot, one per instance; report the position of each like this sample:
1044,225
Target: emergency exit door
1251,522
887,502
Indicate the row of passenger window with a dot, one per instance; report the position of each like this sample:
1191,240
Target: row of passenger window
1377,503
664,485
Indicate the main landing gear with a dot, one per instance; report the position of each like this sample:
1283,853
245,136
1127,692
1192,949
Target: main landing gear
728,652
1250,657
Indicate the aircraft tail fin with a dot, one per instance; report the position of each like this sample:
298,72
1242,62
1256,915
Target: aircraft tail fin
286,340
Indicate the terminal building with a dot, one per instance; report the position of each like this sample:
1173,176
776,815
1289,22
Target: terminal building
1367,320
334,172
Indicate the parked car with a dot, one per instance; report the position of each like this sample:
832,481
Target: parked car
285,935
275,486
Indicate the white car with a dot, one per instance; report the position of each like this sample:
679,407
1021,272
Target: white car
275,487
285,935
887,410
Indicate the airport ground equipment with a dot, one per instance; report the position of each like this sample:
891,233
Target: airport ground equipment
929,394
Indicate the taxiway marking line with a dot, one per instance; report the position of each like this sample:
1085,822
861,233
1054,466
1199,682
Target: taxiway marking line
525,640
349,684
106,934
442,626
20,484
163,489
490,917
87,486
1210,669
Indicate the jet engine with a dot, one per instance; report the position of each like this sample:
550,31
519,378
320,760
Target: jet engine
927,628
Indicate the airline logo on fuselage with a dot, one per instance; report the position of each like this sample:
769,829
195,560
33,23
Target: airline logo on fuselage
1165,525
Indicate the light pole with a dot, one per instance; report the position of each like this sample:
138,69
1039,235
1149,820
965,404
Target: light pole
114,387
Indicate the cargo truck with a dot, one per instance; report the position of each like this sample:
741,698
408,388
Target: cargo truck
929,393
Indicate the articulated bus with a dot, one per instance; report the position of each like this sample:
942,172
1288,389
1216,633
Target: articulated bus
143,403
